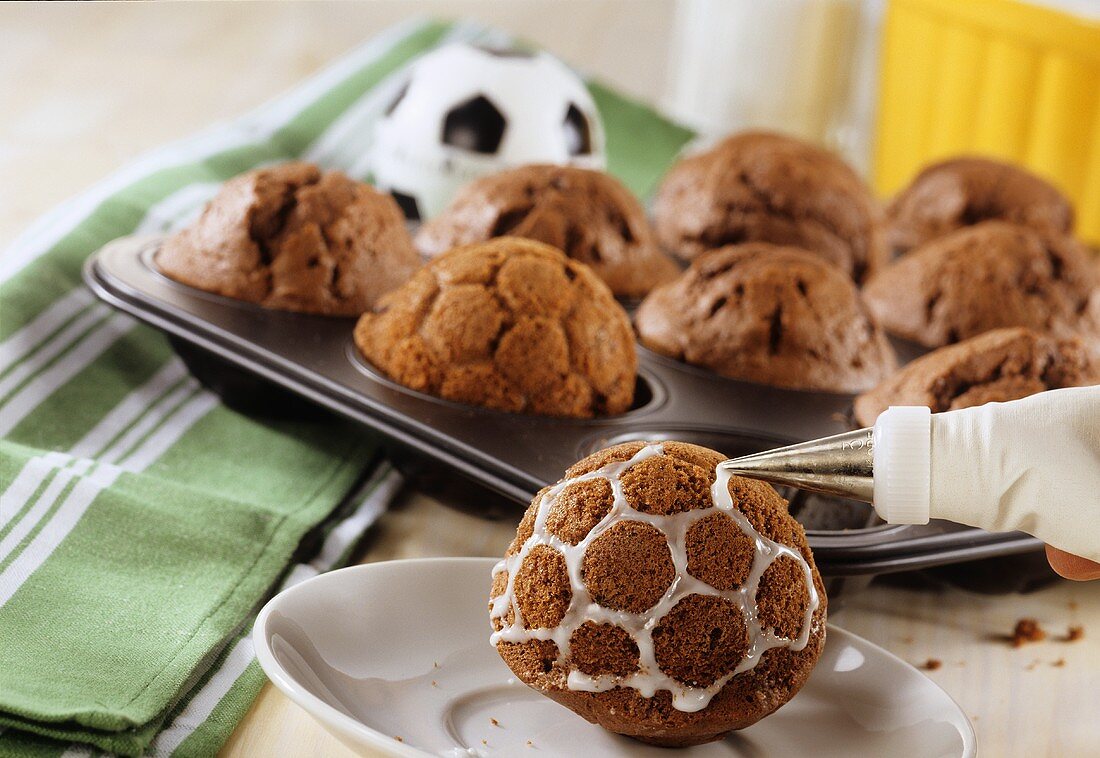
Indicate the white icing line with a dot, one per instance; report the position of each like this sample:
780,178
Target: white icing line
648,679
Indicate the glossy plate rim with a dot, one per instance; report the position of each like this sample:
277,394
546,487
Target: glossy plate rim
345,727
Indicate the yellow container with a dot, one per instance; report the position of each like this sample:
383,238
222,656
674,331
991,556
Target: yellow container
992,77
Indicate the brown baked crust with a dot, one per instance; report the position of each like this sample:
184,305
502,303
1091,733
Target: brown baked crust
768,314
997,366
509,324
588,214
764,187
990,275
965,191
294,238
699,640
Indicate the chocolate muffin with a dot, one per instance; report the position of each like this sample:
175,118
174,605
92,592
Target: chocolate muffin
295,238
994,367
510,324
965,191
757,186
768,314
588,214
635,594
990,275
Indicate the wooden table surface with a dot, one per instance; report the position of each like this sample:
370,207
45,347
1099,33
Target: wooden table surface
89,87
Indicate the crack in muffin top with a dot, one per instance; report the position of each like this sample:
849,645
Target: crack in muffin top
768,314
294,238
990,275
759,186
997,366
587,214
965,191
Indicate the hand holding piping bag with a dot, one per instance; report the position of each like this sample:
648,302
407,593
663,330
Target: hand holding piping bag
1031,465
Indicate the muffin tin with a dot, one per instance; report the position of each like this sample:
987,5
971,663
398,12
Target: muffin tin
229,344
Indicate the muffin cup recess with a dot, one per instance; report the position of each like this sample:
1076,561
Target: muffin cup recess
647,392
280,362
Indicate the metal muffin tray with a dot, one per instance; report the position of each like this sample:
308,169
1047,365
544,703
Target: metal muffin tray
229,344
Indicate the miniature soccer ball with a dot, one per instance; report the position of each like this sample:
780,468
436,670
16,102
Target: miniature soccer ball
464,111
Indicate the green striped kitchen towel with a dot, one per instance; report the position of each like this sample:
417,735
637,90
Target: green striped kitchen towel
141,522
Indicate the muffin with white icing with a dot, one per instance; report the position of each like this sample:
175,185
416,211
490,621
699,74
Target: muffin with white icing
659,597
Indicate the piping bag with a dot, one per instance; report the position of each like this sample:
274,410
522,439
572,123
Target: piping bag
1031,465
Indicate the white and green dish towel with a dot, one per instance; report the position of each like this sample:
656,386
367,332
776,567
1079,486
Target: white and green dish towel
141,521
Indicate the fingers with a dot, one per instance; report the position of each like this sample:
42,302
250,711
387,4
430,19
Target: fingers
1072,566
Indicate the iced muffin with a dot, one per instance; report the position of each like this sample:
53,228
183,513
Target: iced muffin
658,597
994,367
295,238
588,214
757,186
990,275
768,314
509,324
965,191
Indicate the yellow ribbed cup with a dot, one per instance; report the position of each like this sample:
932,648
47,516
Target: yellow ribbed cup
992,77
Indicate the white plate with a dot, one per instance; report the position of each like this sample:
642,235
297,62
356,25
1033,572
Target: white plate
401,649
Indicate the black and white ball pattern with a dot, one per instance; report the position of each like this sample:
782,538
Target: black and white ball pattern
462,111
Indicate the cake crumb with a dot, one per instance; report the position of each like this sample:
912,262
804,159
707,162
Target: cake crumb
1074,633
434,684
907,640
1027,630
530,744
399,739
1072,605
1059,663
435,664
1033,665
932,664
485,742
494,722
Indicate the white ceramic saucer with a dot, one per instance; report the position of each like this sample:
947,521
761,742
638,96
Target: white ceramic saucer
401,649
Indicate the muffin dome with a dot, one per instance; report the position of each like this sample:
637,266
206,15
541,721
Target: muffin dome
509,324
994,367
987,276
294,238
757,186
659,598
965,191
586,213
768,314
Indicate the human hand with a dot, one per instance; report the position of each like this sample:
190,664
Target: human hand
1072,566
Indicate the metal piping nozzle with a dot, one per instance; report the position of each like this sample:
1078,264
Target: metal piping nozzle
839,465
